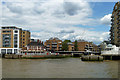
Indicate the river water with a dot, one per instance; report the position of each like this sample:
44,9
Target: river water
58,68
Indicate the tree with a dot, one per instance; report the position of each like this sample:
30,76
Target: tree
65,45
75,46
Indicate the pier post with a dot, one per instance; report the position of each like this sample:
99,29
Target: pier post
111,57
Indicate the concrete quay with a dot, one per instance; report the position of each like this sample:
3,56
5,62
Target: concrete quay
111,56
92,58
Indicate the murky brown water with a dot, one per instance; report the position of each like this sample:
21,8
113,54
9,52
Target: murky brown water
58,68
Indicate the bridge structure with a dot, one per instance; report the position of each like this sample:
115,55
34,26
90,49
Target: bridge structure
70,52
77,53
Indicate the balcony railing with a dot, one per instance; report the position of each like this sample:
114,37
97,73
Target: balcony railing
60,45
118,18
112,16
112,23
6,40
54,43
48,45
112,19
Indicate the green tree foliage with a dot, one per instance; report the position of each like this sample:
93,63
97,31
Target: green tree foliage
65,45
76,46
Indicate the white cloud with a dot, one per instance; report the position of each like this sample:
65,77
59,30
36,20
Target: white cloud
53,18
106,19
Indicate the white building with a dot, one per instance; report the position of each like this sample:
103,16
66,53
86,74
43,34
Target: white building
11,40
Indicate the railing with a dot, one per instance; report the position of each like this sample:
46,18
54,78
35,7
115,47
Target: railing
54,43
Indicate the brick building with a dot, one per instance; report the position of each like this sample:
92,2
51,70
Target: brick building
53,44
83,46
35,46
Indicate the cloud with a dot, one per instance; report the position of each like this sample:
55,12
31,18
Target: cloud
51,18
106,20
64,31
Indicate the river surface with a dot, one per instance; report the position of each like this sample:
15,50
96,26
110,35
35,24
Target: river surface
58,68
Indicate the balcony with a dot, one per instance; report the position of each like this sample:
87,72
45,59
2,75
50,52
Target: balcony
6,40
15,39
6,43
48,46
118,27
118,18
118,23
90,47
112,16
15,43
112,23
112,19
118,14
118,8
60,45
54,43
7,36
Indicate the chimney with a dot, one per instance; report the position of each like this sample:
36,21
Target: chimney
38,41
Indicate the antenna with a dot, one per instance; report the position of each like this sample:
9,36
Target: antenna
82,34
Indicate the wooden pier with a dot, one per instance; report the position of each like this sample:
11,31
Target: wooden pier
111,56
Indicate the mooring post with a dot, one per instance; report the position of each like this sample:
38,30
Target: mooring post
111,57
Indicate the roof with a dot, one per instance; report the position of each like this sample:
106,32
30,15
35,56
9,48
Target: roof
54,38
81,40
35,44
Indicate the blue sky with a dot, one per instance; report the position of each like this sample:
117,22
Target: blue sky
100,9
57,18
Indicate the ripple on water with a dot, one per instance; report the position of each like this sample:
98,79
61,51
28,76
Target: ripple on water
59,68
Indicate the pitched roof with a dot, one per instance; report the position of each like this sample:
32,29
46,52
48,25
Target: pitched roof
35,44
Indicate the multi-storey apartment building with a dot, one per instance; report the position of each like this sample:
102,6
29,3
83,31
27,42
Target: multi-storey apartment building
13,39
53,44
25,38
86,46
115,25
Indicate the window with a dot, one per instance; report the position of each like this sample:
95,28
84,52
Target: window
16,31
3,51
15,46
15,35
9,51
15,41
6,31
15,50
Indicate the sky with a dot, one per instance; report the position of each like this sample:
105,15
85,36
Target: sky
59,18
